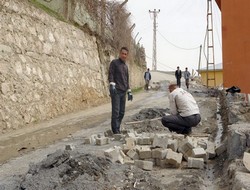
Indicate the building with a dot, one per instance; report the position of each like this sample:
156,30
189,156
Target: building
236,43
218,69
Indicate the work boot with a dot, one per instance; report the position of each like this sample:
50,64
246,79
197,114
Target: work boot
187,131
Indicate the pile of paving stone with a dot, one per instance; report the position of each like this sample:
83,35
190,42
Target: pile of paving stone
147,150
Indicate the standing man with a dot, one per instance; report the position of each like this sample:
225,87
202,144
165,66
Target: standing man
118,86
186,77
178,76
147,77
184,111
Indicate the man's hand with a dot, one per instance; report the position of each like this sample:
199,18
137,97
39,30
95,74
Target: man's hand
112,88
130,95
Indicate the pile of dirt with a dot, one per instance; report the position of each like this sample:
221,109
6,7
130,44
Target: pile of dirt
149,120
73,170
149,113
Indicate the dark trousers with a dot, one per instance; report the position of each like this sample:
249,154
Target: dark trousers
179,124
187,83
178,82
118,102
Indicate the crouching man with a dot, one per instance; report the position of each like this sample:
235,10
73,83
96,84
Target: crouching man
184,111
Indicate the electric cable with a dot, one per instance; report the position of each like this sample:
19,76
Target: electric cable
176,45
164,65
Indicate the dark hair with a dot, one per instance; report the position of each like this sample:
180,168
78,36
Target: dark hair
124,48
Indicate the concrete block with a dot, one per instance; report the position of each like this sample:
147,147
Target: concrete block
144,141
87,141
219,149
102,141
145,165
159,153
125,148
237,140
178,137
246,160
129,161
160,141
173,158
173,144
144,152
130,142
186,147
161,163
93,139
210,150
150,160
195,163
199,153
132,154
114,154
202,144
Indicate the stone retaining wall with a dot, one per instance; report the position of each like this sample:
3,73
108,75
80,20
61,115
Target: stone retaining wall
48,67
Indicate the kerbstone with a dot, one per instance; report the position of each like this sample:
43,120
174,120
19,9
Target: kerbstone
145,165
173,158
195,163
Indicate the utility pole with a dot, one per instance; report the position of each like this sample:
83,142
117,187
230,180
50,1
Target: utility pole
210,47
154,61
199,63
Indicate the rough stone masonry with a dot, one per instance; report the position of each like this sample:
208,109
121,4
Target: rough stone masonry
48,67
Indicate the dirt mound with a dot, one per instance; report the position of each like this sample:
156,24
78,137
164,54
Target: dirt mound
149,113
149,120
73,170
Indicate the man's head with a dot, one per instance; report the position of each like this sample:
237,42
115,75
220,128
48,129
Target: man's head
178,68
186,68
148,69
123,53
172,86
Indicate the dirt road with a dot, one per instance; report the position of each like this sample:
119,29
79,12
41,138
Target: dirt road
96,121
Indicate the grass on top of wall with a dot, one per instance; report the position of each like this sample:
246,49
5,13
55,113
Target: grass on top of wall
47,10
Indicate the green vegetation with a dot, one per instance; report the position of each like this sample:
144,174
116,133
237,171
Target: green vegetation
136,90
47,10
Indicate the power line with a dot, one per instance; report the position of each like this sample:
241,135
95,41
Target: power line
176,45
162,64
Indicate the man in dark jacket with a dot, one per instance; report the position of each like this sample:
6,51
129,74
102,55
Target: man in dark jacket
147,77
178,76
118,86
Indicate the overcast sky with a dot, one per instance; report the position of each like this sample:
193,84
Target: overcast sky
181,28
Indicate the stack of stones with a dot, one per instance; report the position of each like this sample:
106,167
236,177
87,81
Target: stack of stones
164,150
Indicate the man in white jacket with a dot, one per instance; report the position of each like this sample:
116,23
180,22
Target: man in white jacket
184,111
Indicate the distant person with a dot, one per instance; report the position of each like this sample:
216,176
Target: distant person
184,111
178,76
186,77
118,86
147,77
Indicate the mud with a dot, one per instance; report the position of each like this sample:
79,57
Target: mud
73,170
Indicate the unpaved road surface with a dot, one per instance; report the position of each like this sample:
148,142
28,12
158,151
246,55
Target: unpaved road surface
85,167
